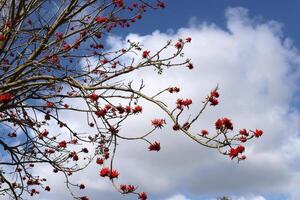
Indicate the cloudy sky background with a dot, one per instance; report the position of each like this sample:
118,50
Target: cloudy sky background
256,64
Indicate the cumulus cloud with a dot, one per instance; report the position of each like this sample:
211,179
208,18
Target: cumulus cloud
256,69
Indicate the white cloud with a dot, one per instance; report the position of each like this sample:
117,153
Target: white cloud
256,68
178,197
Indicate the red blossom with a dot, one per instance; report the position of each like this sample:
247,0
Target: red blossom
114,174
81,186
104,172
5,97
50,104
66,47
190,65
137,109
143,196
99,161
173,89
145,54
84,198
258,133
47,188
101,112
224,123
154,147
158,123
179,45
204,132
94,97
59,35
180,103
101,19
62,144
244,132
189,39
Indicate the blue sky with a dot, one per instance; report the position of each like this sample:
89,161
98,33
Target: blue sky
248,47
178,13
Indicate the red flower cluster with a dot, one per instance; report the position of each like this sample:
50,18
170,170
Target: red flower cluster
189,39
224,123
99,161
94,97
62,144
101,19
204,132
145,54
137,109
258,133
119,3
154,147
179,44
180,103
158,123
101,112
127,188
234,152
5,97
213,98
143,196
109,173
173,89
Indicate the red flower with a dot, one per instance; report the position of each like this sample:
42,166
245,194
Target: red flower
66,47
100,113
5,97
244,132
101,19
189,39
59,35
204,132
190,66
123,188
146,54
81,186
227,123
215,93
174,89
94,97
84,198
240,148
180,103
243,139
99,161
233,153
224,123
104,172
158,123
258,133
118,3
130,188
50,104
176,127
114,174
62,144
219,124
137,109
47,188
143,196
179,45
154,147
213,101
2,37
